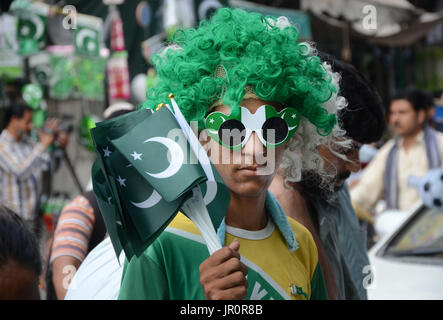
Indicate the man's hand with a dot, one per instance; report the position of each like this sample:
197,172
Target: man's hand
47,135
52,124
223,275
45,138
62,139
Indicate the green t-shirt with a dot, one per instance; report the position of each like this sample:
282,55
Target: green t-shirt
169,268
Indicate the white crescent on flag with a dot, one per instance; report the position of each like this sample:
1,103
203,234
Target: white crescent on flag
151,201
177,157
82,35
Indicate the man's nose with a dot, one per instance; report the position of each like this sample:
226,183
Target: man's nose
253,147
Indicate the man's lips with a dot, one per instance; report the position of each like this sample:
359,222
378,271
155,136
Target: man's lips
251,170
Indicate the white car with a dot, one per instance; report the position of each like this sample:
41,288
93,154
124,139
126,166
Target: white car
407,263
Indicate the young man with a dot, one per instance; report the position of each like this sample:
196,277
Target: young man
248,73
416,149
22,162
320,201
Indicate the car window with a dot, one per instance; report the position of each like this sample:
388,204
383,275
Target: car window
421,236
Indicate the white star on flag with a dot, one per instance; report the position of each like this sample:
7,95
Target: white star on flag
136,156
293,115
106,152
211,121
121,181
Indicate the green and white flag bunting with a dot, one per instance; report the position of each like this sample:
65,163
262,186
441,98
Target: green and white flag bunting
32,93
87,35
139,189
31,28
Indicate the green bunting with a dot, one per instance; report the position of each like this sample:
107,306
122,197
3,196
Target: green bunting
87,35
31,28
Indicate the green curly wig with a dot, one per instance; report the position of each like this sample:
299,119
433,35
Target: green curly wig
253,51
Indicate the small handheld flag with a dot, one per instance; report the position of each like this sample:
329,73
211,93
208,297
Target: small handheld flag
140,189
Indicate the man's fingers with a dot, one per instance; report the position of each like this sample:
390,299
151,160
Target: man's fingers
220,256
235,245
236,293
231,266
233,280
52,123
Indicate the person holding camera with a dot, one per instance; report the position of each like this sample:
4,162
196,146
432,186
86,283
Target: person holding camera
22,161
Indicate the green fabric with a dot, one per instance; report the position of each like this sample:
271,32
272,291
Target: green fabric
138,284
169,269
318,291
154,275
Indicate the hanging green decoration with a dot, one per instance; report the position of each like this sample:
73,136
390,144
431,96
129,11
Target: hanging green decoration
89,79
38,118
31,28
32,93
87,35
62,76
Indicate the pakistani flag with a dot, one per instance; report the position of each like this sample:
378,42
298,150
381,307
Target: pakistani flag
87,35
123,187
144,175
31,28
158,149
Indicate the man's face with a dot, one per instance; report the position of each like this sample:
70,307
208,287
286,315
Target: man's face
340,168
248,172
404,119
24,125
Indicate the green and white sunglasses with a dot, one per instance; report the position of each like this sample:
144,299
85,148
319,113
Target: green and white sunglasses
272,128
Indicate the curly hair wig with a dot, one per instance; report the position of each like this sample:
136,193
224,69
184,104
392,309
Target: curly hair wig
254,51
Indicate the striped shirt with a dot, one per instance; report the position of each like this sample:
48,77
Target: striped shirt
74,229
21,164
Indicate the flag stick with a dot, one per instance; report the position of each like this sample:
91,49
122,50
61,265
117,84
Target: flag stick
195,209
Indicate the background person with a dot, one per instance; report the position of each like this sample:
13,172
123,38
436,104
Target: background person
416,149
22,162
321,202
20,262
